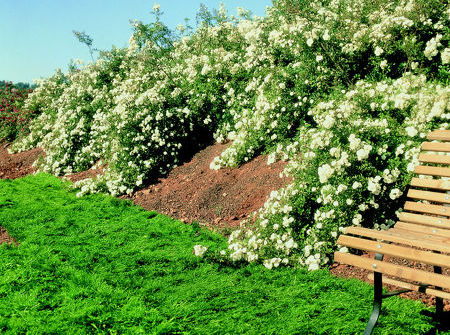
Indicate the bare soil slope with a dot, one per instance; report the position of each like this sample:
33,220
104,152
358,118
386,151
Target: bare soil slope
217,199
16,165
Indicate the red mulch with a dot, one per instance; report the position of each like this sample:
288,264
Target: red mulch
191,192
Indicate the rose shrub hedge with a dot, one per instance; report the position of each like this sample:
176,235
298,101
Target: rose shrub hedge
345,90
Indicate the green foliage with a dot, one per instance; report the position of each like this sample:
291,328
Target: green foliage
97,265
154,33
85,39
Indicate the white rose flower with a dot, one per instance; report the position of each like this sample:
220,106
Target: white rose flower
378,51
325,172
445,56
356,185
395,194
432,45
364,152
354,142
328,122
268,263
290,244
199,250
276,262
357,219
373,186
313,267
411,131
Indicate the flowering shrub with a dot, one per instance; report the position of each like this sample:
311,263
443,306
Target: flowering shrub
14,119
344,90
72,106
42,101
353,170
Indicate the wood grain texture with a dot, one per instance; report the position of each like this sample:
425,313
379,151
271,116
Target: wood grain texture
413,287
410,253
439,134
395,270
437,184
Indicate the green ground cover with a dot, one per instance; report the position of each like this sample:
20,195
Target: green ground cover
100,265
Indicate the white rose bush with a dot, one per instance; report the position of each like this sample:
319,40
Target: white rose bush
344,90
349,174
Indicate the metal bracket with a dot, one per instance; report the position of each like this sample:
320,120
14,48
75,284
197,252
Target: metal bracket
394,293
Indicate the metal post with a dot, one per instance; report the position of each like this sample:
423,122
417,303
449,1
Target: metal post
439,301
377,299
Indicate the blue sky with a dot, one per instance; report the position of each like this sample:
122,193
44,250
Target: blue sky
36,35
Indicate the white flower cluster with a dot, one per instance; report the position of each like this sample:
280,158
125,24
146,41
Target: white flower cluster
431,49
271,249
199,250
74,108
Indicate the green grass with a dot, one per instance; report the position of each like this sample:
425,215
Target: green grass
99,265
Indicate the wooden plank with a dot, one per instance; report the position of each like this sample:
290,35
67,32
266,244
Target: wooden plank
423,229
430,196
432,170
421,236
437,184
436,146
427,220
394,270
413,287
392,236
438,159
427,208
412,254
439,134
